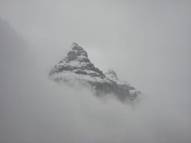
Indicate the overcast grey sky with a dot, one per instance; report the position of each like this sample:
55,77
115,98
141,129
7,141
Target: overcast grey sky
146,41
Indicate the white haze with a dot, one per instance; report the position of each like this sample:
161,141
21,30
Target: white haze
146,42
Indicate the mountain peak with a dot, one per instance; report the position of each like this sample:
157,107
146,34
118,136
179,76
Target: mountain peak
76,67
77,61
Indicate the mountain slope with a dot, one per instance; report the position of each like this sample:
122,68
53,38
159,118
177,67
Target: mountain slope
77,68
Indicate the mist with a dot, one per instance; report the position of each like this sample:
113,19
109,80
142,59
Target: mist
146,42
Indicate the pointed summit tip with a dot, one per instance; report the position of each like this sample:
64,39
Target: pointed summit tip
76,51
76,46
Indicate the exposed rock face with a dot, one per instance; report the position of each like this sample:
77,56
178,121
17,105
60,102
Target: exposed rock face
77,68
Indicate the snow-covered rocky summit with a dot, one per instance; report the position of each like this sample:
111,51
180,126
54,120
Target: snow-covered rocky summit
77,68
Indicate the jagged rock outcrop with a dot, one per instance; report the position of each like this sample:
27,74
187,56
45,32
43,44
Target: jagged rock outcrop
77,68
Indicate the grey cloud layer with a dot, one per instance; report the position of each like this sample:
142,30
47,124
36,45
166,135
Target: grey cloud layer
151,39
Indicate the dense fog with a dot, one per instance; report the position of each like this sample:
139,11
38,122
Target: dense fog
146,42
